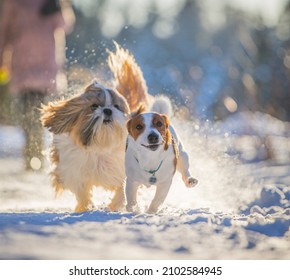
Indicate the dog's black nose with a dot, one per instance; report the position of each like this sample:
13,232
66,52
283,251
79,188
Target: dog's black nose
107,112
153,138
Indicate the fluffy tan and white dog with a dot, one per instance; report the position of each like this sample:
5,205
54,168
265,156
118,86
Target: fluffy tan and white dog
89,133
153,154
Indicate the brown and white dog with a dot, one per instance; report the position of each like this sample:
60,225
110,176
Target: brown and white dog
153,154
89,133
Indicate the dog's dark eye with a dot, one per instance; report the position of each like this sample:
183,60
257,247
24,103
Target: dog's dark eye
139,126
159,124
117,107
94,107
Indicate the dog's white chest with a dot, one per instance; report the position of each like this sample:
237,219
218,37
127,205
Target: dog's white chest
78,165
150,171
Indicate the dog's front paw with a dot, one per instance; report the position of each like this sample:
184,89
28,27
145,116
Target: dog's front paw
191,182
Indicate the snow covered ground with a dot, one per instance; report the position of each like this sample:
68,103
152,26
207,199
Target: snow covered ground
239,210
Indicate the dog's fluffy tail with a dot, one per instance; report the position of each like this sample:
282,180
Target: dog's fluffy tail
129,80
162,105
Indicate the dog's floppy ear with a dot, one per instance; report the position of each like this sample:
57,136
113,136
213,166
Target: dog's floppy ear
166,119
129,122
60,116
167,132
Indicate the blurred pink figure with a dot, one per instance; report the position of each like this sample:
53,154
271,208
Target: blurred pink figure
32,50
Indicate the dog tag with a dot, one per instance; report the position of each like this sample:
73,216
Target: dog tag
152,180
